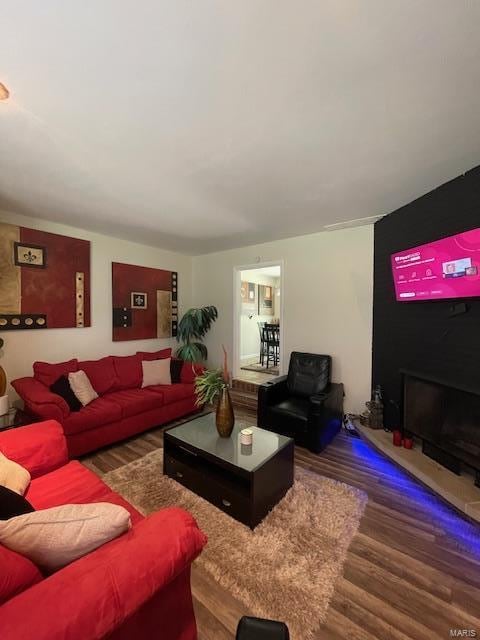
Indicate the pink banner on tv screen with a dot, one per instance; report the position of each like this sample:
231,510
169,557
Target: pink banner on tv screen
444,269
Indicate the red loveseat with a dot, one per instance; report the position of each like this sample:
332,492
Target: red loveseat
123,408
136,586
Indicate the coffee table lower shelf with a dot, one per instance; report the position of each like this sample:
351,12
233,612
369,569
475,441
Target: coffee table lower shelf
247,496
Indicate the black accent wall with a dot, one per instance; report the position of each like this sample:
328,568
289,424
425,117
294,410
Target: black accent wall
424,337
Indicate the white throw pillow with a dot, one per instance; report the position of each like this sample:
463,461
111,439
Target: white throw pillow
156,372
52,538
82,387
13,475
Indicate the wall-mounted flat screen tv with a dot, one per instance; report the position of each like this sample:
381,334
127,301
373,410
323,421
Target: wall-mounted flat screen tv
445,269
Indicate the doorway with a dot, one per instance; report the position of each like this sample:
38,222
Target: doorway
258,326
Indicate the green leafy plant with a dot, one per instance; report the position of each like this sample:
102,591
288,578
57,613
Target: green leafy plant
208,386
194,326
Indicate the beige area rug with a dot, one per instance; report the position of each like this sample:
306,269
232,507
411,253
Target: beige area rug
287,567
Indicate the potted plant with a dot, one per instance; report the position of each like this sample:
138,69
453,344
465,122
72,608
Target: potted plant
3,387
208,386
213,385
194,326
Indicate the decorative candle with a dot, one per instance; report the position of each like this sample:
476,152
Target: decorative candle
397,438
246,436
408,443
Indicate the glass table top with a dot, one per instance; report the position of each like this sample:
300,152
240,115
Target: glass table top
201,433
14,417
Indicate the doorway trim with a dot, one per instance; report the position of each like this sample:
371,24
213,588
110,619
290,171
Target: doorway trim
237,311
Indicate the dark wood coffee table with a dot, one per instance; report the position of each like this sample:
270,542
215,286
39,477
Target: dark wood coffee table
244,481
16,418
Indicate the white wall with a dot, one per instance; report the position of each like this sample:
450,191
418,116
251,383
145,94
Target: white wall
328,296
249,334
22,348
327,308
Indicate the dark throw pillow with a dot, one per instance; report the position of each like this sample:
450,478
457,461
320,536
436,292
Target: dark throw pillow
13,504
63,389
175,370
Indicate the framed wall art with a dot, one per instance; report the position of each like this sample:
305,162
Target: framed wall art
145,302
248,295
44,280
138,300
265,300
29,255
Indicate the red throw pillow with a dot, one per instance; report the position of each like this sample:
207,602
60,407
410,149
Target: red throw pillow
48,373
17,574
155,355
129,371
190,371
101,374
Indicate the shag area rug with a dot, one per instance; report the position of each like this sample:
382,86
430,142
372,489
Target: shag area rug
287,567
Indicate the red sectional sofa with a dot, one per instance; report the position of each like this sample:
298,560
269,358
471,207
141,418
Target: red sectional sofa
136,586
123,407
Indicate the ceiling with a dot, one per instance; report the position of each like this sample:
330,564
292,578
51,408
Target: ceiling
199,126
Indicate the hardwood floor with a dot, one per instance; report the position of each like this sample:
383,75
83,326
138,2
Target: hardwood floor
412,571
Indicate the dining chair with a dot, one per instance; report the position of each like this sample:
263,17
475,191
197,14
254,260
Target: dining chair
262,344
271,341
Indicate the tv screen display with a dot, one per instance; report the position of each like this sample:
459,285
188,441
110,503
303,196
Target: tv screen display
445,269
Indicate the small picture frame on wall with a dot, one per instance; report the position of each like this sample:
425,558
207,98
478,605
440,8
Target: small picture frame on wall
29,255
265,300
248,295
138,300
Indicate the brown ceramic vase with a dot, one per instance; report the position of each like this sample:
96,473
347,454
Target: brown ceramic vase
225,418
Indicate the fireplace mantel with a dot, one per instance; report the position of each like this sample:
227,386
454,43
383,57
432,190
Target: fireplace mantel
443,380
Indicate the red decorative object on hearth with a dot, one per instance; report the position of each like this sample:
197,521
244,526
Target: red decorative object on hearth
397,438
408,443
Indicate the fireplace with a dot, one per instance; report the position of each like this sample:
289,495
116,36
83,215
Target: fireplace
446,418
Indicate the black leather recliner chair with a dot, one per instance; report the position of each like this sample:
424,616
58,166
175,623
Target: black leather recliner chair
304,404
260,629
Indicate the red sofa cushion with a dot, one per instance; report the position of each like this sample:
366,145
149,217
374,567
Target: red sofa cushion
47,373
17,574
134,401
98,594
129,372
75,484
98,413
72,483
39,447
173,392
33,392
190,371
101,374
155,355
